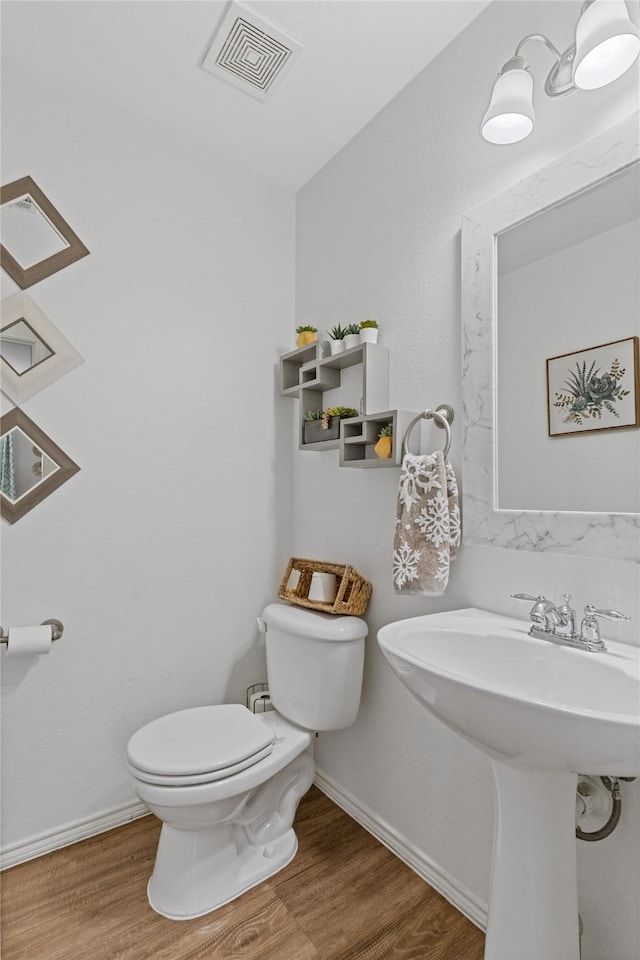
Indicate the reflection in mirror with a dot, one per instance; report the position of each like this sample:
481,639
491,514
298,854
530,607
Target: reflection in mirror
36,240
567,282
31,465
33,351
22,348
23,465
28,233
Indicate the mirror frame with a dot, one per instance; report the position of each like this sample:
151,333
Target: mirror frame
14,511
614,536
27,276
20,386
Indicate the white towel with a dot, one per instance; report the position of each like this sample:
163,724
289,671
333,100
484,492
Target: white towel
427,536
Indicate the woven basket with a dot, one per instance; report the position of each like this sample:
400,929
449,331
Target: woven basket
353,592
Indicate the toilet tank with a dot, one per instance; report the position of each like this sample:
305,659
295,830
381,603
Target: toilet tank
314,665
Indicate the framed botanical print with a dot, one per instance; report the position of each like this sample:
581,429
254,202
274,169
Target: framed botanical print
597,388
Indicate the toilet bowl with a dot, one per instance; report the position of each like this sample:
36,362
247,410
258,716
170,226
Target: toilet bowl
223,835
226,782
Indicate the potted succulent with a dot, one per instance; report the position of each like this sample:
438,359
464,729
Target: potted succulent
352,335
384,447
336,339
368,331
325,424
306,335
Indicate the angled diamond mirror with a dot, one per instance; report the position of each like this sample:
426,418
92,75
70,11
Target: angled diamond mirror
33,352
31,465
36,240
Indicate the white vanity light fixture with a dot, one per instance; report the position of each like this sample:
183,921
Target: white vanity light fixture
607,44
510,116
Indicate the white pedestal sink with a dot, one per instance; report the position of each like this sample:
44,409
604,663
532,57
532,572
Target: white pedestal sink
543,713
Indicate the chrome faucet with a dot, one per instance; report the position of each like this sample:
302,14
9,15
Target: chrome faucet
559,625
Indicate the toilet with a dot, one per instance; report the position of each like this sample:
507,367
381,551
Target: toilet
226,783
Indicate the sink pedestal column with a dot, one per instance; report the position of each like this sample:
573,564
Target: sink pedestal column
533,903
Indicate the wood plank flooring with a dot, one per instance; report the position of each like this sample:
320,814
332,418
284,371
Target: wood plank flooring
343,897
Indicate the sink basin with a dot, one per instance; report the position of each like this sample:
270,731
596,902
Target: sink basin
543,713
520,698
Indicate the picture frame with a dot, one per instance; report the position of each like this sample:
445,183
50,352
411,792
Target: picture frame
594,389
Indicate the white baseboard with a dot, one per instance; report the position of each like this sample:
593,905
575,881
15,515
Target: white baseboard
42,843
453,891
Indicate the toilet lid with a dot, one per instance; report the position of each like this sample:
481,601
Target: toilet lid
200,744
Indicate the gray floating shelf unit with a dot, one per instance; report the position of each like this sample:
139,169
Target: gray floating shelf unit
308,372
310,368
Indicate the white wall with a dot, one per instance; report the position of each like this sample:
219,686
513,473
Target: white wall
160,553
585,295
378,235
138,563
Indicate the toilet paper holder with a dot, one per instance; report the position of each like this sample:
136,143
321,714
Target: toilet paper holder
57,629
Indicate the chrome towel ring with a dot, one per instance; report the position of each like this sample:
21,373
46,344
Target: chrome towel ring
443,416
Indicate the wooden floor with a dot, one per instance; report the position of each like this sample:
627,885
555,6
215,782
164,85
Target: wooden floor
344,897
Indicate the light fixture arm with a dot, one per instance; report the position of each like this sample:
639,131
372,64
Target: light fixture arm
559,80
541,37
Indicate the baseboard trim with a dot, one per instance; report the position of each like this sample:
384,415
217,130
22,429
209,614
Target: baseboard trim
450,888
42,843
453,891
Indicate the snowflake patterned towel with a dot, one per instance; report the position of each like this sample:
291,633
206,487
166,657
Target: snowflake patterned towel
427,534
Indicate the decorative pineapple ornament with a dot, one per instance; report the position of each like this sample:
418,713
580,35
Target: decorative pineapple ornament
306,335
384,447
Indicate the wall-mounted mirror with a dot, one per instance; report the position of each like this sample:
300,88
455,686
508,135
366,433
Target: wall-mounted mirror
31,465
36,240
21,348
550,276
33,352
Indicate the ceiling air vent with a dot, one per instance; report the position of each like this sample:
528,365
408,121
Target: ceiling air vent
249,53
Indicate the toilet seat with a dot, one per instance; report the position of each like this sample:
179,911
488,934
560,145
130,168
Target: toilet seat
199,745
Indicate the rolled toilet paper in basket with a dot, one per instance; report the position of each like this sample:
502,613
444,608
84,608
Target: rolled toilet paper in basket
324,587
28,641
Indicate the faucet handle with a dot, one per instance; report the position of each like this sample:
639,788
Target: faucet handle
527,596
591,611
590,630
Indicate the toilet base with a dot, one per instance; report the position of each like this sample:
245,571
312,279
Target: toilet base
216,851
167,892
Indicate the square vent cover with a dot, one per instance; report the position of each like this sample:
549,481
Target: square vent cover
249,53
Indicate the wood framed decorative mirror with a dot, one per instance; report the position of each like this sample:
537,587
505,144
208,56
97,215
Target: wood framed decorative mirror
36,240
31,465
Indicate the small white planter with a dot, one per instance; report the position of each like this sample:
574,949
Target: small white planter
352,340
336,346
369,335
